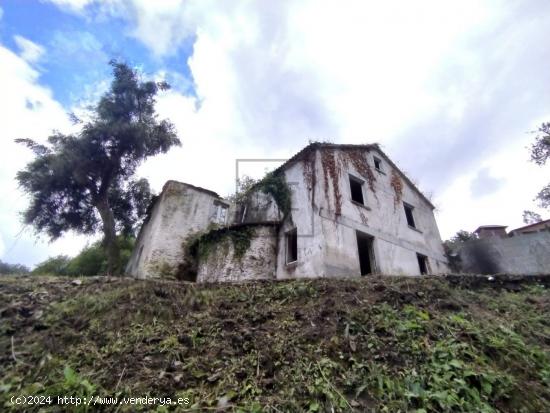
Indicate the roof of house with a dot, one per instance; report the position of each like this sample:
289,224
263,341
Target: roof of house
197,188
322,145
490,227
547,221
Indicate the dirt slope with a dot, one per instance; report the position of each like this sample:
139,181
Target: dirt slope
372,344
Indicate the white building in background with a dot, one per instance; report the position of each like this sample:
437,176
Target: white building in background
352,212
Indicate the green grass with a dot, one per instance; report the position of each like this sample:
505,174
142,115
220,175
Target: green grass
375,344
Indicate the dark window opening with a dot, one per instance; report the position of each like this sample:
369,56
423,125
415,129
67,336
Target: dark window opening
291,246
366,254
356,186
378,164
422,263
409,215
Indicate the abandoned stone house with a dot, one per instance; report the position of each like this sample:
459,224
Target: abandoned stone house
330,210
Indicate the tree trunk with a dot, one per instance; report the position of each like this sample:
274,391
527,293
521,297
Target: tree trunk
109,232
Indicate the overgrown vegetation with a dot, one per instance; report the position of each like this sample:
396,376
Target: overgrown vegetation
540,153
397,185
377,344
7,268
331,170
92,260
272,184
84,181
276,186
240,238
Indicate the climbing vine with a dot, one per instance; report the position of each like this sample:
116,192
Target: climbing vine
331,169
358,160
362,215
276,186
240,237
397,185
308,172
272,184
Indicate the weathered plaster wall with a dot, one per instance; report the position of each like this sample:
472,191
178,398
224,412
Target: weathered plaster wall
259,207
258,262
520,254
304,217
327,243
180,211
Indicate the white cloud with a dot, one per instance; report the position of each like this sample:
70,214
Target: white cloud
504,206
29,111
29,51
77,6
448,88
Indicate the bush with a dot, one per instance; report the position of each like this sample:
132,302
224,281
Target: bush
6,268
92,260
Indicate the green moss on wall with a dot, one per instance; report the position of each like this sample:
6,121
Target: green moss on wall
240,237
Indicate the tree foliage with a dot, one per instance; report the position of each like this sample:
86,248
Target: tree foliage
6,268
453,244
540,153
85,181
530,217
53,266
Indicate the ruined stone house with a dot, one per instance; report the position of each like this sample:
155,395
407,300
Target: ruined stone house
330,210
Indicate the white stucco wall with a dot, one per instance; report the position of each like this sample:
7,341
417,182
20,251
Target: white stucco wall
181,210
327,243
327,240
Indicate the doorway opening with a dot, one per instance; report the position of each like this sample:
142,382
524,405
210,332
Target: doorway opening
366,253
422,264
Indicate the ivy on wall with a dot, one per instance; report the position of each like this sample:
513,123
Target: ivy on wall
308,173
358,160
397,185
276,186
204,243
333,161
332,169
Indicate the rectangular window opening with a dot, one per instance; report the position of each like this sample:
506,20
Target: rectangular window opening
409,215
422,263
291,246
356,186
378,164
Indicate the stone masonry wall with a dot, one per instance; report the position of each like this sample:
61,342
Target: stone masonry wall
258,261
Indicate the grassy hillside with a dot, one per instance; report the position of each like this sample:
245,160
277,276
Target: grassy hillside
372,344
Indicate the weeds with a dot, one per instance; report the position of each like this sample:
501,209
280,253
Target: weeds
379,344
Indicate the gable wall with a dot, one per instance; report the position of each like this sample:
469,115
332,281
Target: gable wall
179,212
332,248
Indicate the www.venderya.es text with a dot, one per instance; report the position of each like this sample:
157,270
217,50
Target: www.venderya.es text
98,400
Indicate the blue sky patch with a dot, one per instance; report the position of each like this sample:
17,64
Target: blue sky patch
78,49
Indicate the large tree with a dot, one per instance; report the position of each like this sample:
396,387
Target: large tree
540,153
84,181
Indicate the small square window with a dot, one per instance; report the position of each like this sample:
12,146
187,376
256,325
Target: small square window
409,215
291,246
422,264
378,164
356,186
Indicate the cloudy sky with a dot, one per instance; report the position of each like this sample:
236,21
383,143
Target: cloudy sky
450,89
